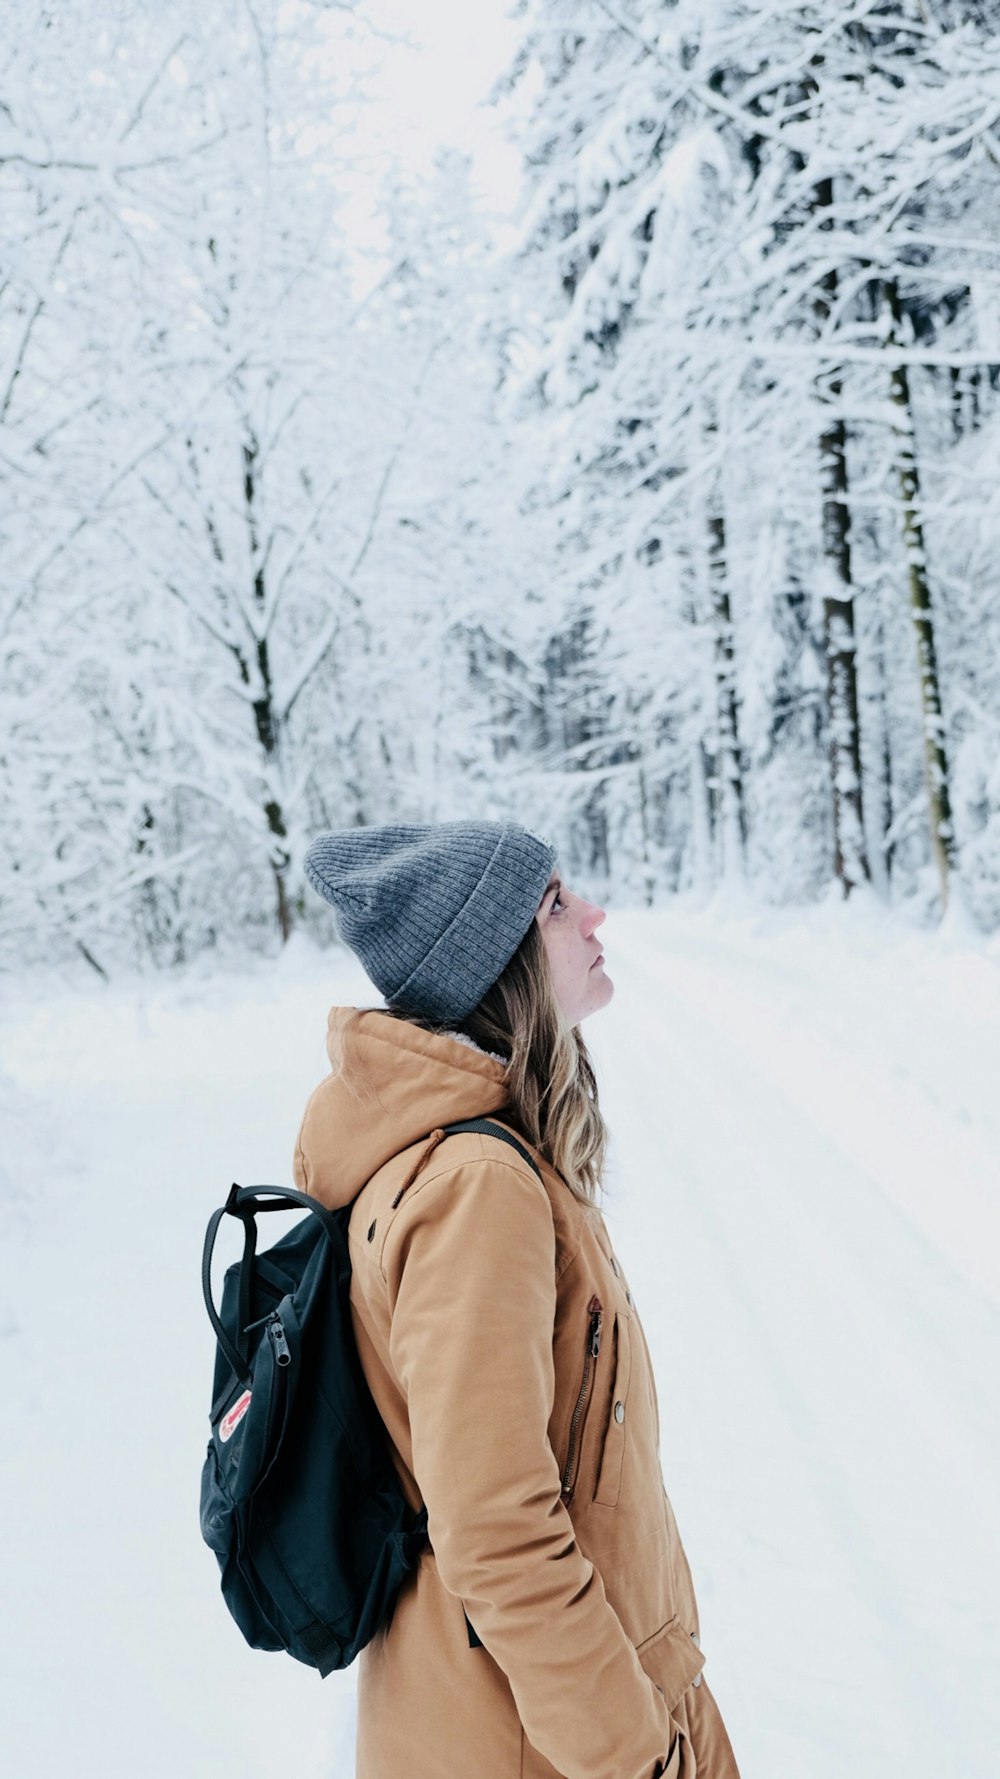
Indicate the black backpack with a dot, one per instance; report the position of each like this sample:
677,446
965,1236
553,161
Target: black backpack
299,1498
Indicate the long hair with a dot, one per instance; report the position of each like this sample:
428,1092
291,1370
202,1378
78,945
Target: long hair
551,1084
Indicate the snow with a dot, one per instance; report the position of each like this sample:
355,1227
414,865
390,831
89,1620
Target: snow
802,1190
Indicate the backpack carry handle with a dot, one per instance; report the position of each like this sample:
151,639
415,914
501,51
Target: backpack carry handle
244,1202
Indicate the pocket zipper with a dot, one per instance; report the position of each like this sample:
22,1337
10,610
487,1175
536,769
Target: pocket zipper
276,1335
595,1310
275,1330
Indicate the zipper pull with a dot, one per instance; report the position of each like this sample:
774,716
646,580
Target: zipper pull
596,1323
276,1334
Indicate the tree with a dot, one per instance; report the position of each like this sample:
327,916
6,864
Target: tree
719,198
250,569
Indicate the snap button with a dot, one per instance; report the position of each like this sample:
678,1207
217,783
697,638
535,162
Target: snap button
619,1412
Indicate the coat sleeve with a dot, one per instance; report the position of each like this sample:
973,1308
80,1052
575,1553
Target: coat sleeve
470,1268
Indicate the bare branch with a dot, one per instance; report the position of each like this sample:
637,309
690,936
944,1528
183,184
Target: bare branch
313,661
139,456
151,85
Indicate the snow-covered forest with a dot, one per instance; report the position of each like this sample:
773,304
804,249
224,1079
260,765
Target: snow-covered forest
666,512
627,464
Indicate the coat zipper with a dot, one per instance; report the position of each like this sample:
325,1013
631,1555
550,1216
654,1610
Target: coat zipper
595,1310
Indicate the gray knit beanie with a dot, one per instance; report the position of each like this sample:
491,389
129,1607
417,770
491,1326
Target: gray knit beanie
433,911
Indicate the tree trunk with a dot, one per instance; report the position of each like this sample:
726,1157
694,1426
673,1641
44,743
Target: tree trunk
728,772
642,801
882,865
921,612
701,822
267,719
850,853
729,767
850,861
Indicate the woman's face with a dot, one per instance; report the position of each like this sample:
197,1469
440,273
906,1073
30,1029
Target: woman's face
576,961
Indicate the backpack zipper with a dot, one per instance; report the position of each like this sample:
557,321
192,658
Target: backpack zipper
276,1335
595,1310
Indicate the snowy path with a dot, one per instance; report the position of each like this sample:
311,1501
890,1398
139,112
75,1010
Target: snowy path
841,1499
802,1193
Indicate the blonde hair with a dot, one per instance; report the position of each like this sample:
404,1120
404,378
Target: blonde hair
552,1088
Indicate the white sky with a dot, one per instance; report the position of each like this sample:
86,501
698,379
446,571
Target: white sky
431,96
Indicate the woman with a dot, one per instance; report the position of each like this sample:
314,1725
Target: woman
551,1628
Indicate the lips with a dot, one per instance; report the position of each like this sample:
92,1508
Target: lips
597,960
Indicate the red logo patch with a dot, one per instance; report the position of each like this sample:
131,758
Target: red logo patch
230,1421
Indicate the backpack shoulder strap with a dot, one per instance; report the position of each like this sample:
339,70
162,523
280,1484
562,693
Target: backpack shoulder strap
486,1127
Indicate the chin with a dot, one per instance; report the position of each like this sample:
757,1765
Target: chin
599,998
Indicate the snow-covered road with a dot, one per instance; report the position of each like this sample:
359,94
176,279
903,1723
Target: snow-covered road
804,1189
830,1375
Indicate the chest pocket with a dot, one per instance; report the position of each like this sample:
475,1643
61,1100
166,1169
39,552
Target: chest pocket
609,1476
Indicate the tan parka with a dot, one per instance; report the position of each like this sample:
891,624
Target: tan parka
500,1341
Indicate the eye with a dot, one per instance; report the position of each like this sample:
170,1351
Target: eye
557,901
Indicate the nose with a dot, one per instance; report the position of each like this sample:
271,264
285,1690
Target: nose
593,917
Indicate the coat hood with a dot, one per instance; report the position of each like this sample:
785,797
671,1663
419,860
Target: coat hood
402,1082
